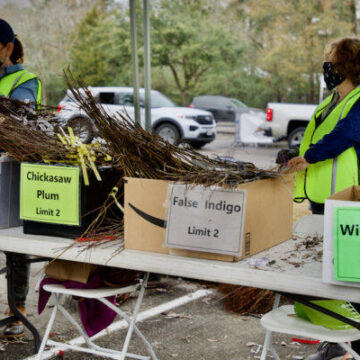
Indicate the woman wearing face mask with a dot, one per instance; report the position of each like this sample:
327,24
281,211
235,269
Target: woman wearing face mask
328,160
16,83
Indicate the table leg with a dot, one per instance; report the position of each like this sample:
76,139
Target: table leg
17,314
268,337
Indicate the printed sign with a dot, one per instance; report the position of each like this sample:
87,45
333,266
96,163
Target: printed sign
347,244
50,194
205,219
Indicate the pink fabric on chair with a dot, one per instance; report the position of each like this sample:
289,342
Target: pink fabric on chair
95,316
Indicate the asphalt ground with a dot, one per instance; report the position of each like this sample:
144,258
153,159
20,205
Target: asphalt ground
199,330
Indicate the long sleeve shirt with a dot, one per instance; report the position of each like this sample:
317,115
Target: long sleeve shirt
26,91
345,135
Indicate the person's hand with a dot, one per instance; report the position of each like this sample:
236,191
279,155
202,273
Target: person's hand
298,163
284,155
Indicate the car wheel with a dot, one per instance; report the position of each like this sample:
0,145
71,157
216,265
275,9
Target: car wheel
295,137
82,128
169,132
197,144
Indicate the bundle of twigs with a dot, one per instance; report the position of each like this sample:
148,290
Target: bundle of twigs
40,117
31,134
17,108
141,154
246,300
25,141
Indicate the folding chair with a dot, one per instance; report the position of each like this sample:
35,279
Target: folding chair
282,320
100,294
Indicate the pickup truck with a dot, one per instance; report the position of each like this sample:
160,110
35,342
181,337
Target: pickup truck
288,121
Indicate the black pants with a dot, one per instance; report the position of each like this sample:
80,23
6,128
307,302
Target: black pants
318,209
21,274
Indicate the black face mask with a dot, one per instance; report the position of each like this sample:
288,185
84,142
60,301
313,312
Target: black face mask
331,76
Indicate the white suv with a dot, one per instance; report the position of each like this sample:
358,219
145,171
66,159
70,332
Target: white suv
173,123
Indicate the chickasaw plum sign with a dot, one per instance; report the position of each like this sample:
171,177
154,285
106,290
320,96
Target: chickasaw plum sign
50,193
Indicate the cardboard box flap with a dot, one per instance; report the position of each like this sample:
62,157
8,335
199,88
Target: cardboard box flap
356,193
350,194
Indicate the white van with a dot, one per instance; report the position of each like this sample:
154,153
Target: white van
173,123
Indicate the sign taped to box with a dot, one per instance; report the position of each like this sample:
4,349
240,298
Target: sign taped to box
205,219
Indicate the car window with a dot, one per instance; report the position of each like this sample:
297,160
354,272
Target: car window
107,98
238,103
208,102
158,100
201,101
219,102
126,99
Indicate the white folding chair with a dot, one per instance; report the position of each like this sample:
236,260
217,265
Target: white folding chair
282,320
100,294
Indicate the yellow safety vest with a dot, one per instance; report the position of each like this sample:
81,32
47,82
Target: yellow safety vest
324,178
11,81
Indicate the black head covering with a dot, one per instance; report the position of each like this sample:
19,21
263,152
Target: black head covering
6,33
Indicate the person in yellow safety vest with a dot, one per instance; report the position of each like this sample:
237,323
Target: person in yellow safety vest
16,83
328,160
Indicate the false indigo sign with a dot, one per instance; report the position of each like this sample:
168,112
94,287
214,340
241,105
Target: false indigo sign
205,219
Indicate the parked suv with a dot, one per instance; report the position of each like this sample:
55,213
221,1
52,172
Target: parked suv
223,108
173,123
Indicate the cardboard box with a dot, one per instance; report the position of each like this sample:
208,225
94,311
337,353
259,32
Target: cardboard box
9,192
64,270
349,198
267,221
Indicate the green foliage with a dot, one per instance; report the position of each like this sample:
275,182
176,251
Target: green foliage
188,39
100,53
253,50
289,37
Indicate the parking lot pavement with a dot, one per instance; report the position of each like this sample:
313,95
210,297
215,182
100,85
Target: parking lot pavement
199,330
262,156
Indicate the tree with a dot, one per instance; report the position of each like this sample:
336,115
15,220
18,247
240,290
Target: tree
289,37
192,40
100,53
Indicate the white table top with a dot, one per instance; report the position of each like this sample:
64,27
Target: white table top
294,270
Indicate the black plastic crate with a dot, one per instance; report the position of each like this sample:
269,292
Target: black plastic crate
9,192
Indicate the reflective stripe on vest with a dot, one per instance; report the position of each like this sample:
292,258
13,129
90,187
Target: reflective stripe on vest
324,178
11,81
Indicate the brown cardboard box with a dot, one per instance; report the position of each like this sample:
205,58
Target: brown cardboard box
64,270
268,217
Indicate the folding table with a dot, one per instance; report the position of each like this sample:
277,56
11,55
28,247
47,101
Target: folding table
293,273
